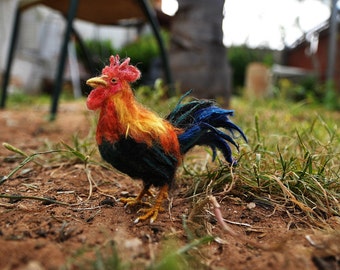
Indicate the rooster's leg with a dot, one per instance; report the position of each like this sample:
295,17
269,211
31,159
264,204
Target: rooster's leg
152,212
138,199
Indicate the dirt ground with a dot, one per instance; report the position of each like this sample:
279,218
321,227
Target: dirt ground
40,235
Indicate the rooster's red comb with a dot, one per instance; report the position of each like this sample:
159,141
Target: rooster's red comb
121,70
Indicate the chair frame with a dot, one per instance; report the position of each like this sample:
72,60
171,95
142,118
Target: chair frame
69,30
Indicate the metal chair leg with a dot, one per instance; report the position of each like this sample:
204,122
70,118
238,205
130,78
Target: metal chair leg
10,56
58,82
150,13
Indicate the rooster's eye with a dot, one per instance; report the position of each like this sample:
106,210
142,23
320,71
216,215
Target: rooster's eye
114,80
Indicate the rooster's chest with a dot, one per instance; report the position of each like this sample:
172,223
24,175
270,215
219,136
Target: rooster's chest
138,160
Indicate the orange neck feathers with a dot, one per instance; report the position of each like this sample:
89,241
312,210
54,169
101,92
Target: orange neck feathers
121,115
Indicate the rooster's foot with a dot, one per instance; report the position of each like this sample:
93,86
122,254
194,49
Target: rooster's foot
138,200
130,202
153,211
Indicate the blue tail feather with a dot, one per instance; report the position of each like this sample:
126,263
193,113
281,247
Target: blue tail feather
221,134
214,141
218,118
205,124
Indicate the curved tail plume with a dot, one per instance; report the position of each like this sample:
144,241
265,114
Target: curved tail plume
205,124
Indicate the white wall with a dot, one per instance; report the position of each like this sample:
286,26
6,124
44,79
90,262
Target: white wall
6,20
40,40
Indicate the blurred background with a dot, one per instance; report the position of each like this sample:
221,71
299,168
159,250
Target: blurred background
257,48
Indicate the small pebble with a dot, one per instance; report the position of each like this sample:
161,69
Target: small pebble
251,205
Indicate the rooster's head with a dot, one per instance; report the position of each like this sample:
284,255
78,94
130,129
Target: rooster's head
114,78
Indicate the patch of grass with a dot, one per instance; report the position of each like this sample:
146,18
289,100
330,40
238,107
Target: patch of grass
104,258
291,160
19,99
170,256
80,152
174,257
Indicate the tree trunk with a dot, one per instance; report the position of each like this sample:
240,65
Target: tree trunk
198,58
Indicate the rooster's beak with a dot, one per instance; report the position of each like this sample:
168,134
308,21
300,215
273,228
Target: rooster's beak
96,81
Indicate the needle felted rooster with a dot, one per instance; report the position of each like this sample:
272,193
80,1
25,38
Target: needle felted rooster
143,145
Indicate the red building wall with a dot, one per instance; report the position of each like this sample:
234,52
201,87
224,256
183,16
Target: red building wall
298,57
